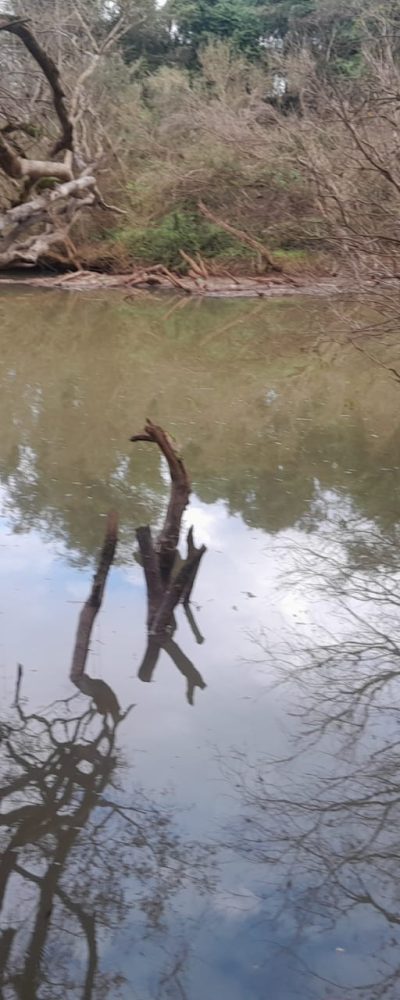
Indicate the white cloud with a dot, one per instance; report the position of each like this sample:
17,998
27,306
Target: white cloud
237,904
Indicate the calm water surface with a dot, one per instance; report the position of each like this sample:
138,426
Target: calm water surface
248,845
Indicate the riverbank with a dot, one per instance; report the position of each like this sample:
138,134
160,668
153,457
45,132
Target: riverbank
160,279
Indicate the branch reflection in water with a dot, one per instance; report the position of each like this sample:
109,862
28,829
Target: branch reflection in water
322,824
79,853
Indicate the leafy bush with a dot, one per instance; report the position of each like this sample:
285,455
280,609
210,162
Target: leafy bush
290,255
162,242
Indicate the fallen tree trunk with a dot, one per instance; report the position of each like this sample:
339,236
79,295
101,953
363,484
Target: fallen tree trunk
28,211
62,205
22,168
37,224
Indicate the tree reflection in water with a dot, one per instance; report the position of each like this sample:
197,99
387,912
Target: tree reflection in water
324,822
79,852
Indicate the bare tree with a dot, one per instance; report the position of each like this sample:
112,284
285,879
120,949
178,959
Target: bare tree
44,101
345,142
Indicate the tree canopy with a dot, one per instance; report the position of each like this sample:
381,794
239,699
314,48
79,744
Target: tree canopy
195,22
177,31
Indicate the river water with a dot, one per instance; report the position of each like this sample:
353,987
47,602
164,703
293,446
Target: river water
246,845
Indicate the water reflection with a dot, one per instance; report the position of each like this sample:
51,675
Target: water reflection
247,398
80,852
326,817
75,850
55,871
79,855
296,493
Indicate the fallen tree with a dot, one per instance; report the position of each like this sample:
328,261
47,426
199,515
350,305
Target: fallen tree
47,192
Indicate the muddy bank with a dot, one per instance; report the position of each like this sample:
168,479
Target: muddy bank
213,287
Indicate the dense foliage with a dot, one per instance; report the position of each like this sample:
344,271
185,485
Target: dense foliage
281,116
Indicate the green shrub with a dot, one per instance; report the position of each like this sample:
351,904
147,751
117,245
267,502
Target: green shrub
162,242
290,256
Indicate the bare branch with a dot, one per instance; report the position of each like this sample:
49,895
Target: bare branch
49,69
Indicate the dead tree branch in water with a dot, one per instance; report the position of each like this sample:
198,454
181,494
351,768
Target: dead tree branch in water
179,499
168,583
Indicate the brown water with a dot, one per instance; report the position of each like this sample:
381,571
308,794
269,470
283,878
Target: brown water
246,846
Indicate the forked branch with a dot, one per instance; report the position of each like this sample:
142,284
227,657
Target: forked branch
169,579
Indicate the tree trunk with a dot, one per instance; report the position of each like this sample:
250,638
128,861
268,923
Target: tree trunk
53,191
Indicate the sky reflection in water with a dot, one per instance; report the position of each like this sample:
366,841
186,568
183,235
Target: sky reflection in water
253,765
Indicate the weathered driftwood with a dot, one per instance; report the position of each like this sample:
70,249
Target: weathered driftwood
169,580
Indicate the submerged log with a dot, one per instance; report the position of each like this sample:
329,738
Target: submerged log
169,579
